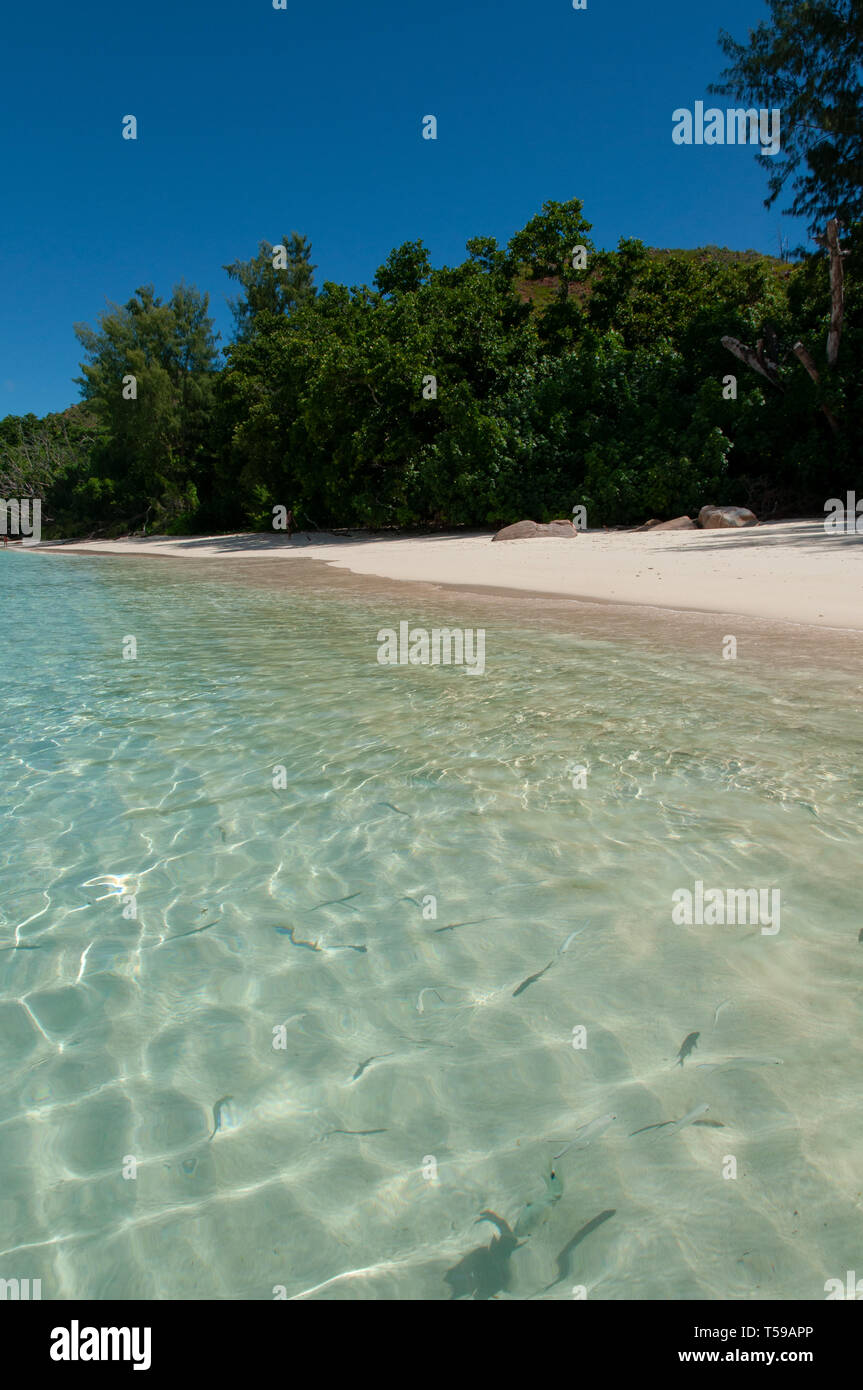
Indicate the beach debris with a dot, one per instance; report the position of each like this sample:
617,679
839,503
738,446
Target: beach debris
690,1042
674,1126
564,1259
531,979
587,1133
485,1271
535,1214
218,1111
367,1063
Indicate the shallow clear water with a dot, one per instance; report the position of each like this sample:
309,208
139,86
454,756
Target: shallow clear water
124,1023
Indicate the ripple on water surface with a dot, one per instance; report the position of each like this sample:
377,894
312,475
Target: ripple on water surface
337,1014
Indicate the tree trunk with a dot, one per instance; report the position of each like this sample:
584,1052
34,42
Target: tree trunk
756,359
837,289
802,353
753,359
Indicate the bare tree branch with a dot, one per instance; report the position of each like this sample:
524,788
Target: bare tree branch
756,360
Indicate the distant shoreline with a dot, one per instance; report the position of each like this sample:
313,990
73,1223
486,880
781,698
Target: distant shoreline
787,572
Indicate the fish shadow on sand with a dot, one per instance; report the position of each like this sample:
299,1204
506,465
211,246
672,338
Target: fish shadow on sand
564,1259
484,1272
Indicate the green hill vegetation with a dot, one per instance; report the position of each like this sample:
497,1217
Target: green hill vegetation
509,385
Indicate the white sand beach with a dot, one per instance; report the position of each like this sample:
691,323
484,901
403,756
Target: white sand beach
792,572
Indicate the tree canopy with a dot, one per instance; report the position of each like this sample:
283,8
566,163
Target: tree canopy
524,381
807,60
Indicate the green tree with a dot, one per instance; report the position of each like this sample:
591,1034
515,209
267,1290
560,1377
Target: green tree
545,250
268,287
405,269
807,60
155,431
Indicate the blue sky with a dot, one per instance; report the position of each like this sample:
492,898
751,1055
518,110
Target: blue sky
254,122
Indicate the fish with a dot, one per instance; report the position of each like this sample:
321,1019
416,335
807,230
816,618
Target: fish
367,1063
289,933
644,1128
719,1009
316,946
475,923
564,1266
587,1133
334,902
675,1125
741,1062
690,1042
217,1114
429,989
525,984
571,937
194,932
352,1131
691,1118
485,1271
537,1213
860,935
390,807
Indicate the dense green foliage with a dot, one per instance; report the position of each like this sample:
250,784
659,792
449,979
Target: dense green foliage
150,382
528,380
553,387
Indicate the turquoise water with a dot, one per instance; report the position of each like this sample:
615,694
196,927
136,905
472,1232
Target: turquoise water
169,908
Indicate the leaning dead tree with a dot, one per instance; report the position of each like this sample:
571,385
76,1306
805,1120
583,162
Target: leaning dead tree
756,357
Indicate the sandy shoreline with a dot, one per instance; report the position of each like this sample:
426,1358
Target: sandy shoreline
787,572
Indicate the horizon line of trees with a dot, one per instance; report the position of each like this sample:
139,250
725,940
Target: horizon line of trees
528,379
